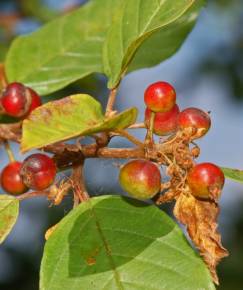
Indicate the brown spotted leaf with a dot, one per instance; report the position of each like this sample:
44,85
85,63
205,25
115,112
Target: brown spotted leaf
76,115
9,210
200,218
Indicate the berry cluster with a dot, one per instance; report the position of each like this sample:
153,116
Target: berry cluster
142,178
18,101
195,188
37,172
160,99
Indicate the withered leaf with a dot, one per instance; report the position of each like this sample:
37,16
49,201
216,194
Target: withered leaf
200,219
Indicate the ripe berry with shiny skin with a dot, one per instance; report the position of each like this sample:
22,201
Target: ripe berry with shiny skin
160,97
14,100
164,123
11,181
140,178
38,171
206,180
18,101
195,118
35,101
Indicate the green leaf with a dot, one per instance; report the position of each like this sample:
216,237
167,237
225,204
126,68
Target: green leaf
118,243
234,174
9,210
145,33
68,118
153,51
62,51
141,34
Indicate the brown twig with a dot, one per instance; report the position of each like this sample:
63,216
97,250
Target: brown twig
79,189
9,151
111,102
137,126
57,192
67,154
131,138
11,131
149,136
32,194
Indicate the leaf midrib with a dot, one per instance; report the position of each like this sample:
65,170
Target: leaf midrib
6,206
176,17
144,35
106,246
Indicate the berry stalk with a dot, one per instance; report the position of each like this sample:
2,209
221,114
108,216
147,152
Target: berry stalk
111,102
149,136
9,151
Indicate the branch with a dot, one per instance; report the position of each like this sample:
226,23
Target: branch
9,151
65,155
137,126
111,102
32,194
79,189
149,136
11,131
129,137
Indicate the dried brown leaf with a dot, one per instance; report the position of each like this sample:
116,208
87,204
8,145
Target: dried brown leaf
200,219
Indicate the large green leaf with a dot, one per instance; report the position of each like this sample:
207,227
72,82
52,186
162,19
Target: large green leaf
166,41
64,50
9,209
116,243
234,174
160,25
70,117
141,34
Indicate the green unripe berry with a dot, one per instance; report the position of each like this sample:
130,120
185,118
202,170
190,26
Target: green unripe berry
140,178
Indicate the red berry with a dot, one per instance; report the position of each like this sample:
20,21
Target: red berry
35,101
38,171
18,100
11,180
164,123
140,178
206,180
15,100
195,118
160,97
